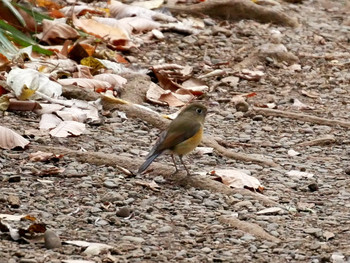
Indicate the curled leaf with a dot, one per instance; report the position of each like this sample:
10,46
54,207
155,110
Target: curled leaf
10,139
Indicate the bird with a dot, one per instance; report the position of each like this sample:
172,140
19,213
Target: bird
182,136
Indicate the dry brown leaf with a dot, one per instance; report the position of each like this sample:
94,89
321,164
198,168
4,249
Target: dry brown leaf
153,94
10,139
114,79
43,156
50,171
196,86
79,10
93,84
238,179
57,29
138,24
116,36
152,185
174,99
91,248
151,4
119,10
49,121
68,128
301,106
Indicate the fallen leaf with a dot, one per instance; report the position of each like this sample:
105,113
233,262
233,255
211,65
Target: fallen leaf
151,4
68,128
116,36
151,185
26,82
8,217
113,79
53,170
10,139
49,121
237,179
92,249
119,10
93,84
57,29
247,74
43,156
301,106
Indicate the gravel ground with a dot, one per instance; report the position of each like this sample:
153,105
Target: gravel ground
179,224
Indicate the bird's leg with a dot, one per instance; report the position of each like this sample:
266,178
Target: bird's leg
188,173
172,156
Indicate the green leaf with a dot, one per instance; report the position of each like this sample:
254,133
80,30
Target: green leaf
19,38
6,46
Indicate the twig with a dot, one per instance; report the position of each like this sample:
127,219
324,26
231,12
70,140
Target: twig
132,164
328,139
301,117
248,227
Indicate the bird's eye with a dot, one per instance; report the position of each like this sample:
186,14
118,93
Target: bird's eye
199,110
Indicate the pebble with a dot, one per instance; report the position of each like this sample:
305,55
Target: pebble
27,260
14,179
52,240
165,229
313,187
206,249
14,201
123,212
110,184
133,239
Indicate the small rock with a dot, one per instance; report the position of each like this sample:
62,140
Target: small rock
165,229
14,179
123,212
27,260
181,254
242,106
337,258
112,197
258,118
328,235
206,250
347,171
313,187
133,239
14,201
269,211
245,203
109,184
52,240
313,231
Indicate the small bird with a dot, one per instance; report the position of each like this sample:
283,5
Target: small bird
181,137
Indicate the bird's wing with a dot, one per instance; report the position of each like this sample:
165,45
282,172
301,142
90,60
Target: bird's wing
177,135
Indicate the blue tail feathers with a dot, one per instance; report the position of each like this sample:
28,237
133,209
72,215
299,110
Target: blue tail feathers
147,163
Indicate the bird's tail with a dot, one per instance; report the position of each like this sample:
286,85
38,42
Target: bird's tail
148,161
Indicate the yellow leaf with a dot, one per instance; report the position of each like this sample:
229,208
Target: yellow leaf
26,93
92,63
4,102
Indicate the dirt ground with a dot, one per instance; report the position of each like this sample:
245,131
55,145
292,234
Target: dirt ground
100,204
